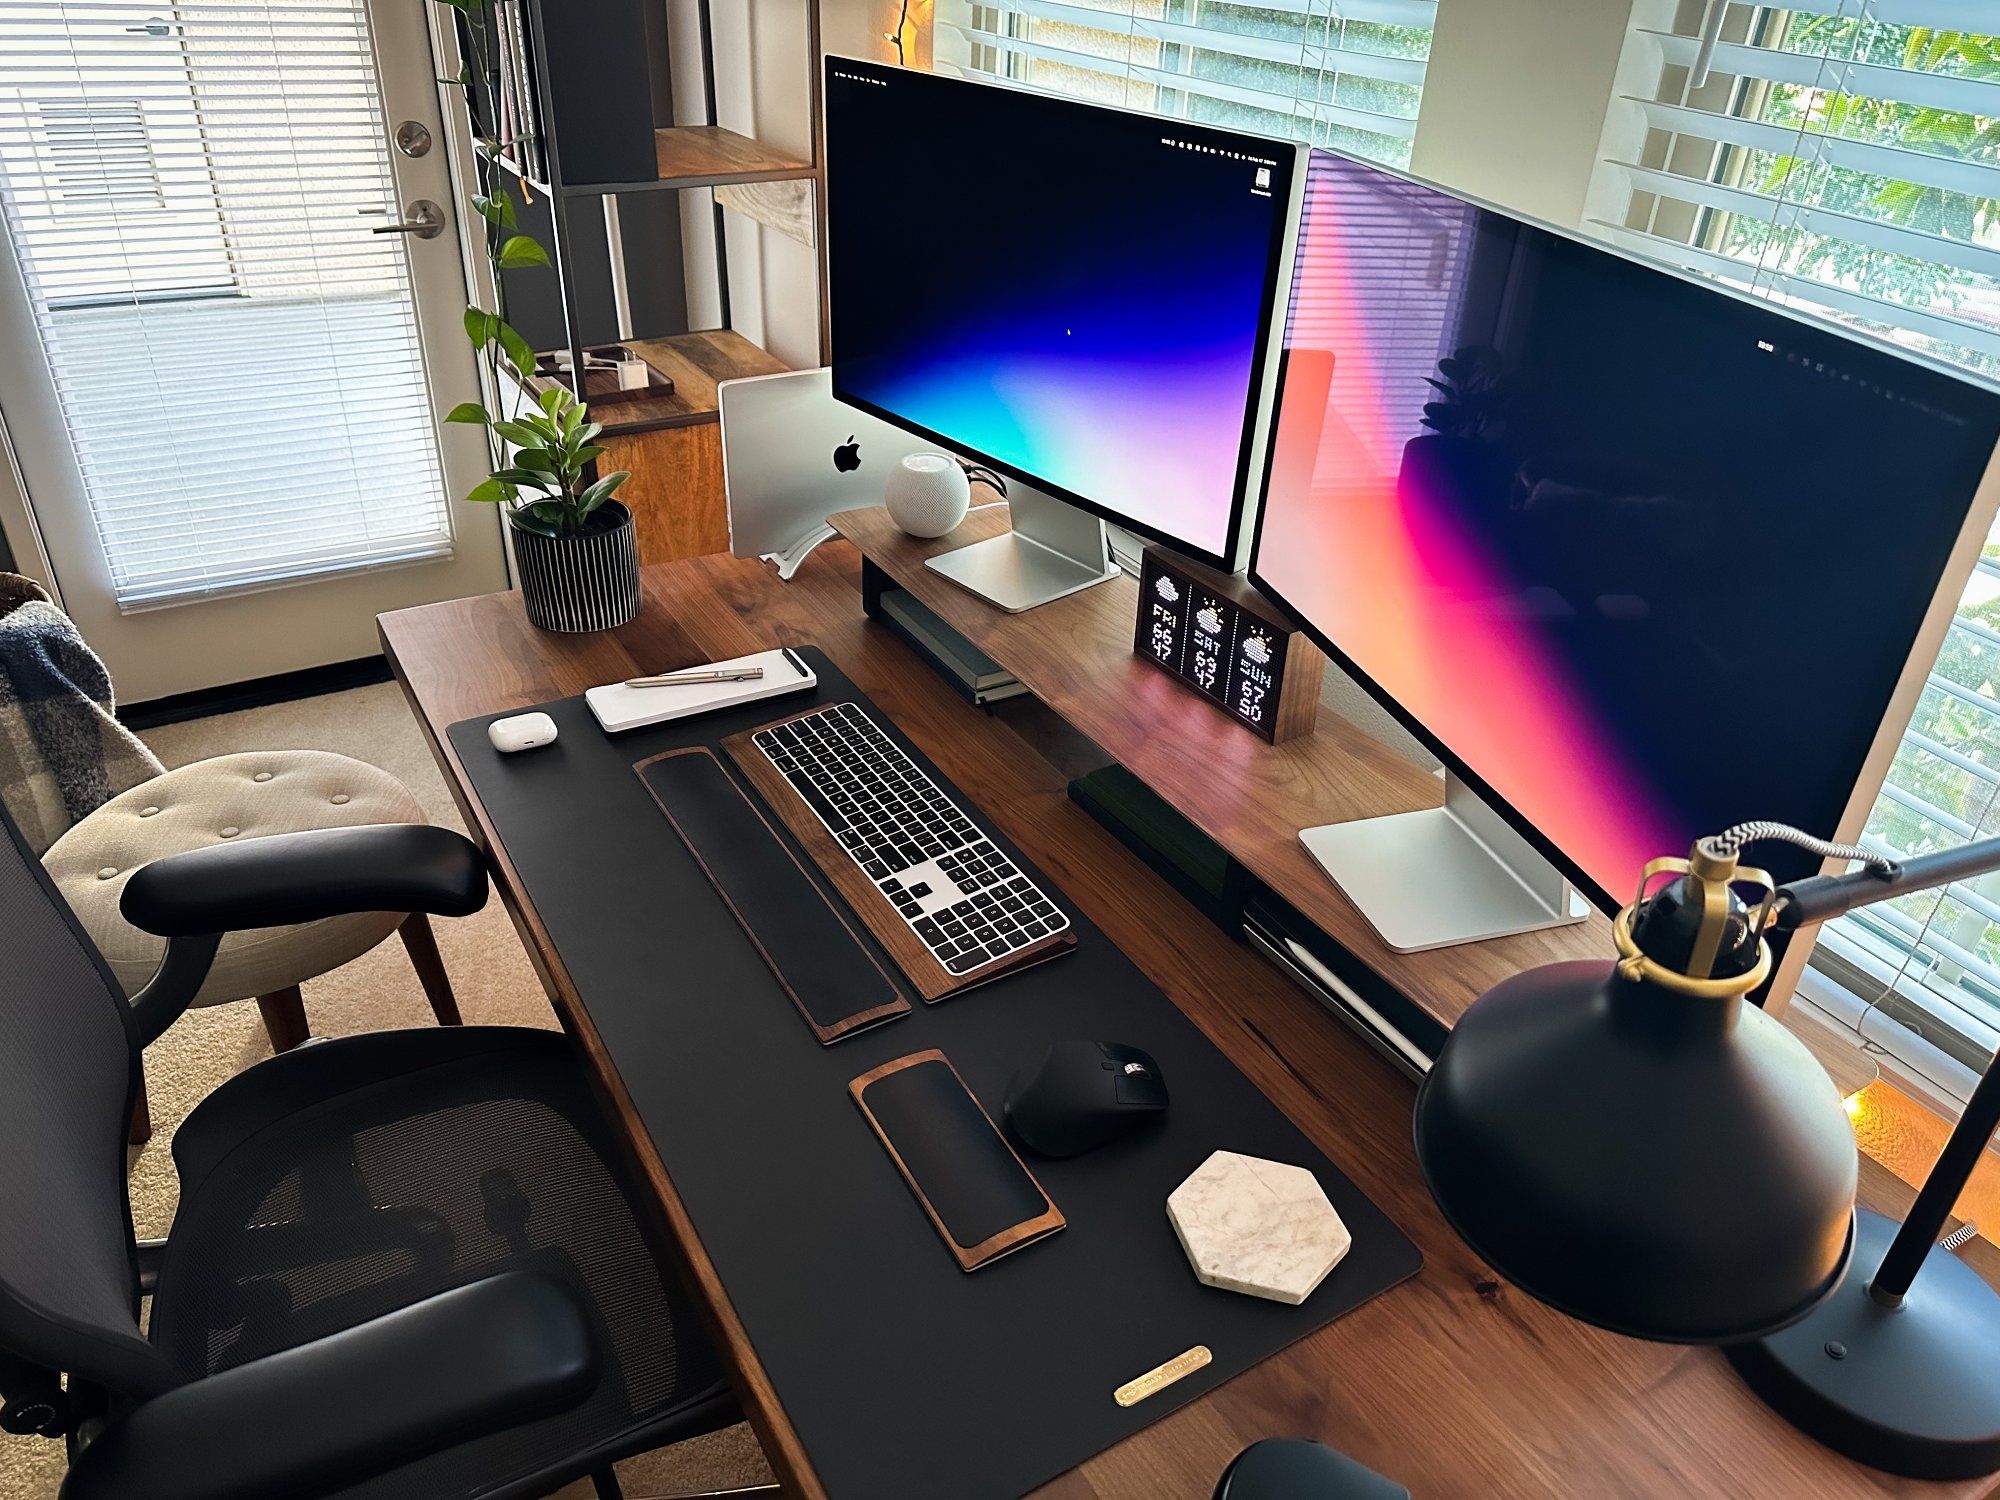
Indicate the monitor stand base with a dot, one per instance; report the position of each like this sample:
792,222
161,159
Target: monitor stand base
1053,550
1446,875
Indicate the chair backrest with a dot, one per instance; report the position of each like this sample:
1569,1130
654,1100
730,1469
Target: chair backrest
68,1077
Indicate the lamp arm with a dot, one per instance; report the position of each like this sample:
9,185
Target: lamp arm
1804,902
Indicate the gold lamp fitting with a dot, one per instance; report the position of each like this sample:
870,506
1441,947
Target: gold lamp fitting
1715,869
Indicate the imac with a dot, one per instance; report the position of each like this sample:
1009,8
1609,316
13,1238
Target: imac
1636,556
1083,298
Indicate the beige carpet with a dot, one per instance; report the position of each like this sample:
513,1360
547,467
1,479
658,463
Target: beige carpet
494,984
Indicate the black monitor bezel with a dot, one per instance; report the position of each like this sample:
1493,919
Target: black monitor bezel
1603,899
1284,230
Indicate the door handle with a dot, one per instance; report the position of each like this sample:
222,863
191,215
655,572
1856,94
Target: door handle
425,221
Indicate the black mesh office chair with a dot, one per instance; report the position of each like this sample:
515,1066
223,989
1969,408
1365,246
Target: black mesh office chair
402,1265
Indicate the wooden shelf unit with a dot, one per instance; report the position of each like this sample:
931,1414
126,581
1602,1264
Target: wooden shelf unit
1252,798
691,155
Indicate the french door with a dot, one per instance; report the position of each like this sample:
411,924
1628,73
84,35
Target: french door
230,306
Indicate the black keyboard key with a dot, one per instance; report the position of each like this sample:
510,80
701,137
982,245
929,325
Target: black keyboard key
928,930
1012,903
875,868
996,950
964,963
920,889
911,909
1032,930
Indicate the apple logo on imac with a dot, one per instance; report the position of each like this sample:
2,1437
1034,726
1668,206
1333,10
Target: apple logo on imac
847,457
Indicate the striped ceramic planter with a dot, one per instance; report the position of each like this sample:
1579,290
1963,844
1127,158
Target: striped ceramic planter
578,583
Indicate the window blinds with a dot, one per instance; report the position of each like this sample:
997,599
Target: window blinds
235,356
1845,155
1347,74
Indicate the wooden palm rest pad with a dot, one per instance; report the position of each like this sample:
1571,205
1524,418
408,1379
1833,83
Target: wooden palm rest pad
978,1194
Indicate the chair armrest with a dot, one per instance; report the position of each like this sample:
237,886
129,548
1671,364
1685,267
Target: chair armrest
303,877
354,1405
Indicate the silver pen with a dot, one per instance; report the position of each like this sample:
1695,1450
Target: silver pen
675,679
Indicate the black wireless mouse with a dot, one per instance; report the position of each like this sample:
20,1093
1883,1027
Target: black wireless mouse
1083,1094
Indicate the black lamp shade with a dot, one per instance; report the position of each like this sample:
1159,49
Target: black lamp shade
1668,1166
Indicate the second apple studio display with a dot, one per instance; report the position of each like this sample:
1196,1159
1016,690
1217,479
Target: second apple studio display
1594,531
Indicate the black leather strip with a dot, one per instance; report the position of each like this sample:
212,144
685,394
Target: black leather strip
834,981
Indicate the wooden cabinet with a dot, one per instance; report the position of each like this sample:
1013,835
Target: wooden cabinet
672,445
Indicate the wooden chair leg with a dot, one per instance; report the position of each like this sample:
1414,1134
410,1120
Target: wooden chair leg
141,1130
421,944
284,1018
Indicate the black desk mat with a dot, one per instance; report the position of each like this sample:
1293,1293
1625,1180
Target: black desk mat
902,1374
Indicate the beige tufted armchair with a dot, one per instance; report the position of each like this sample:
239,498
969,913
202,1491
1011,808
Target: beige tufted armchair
215,801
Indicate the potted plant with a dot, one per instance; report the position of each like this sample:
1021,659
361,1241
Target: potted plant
574,545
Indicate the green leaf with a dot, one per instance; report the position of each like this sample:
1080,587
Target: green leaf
528,518
468,411
556,399
487,147
523,433
518,476
516,347
521,251
583,456
480,326
538,459
600,492
496,208
490,492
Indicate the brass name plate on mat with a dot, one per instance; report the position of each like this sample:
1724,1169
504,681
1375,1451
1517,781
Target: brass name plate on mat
1160,1377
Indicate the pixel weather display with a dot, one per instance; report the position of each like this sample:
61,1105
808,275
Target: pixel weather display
1075,293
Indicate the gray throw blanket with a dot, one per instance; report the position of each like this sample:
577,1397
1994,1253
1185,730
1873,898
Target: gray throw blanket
62,754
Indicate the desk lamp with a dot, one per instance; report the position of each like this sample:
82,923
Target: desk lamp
1639,1147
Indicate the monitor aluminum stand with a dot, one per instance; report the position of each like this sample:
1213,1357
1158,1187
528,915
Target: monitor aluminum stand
1452,874
1053,550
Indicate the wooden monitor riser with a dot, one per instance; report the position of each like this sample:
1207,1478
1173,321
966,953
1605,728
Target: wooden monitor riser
1252,798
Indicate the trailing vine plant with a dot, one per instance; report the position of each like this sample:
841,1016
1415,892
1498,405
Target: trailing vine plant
545,486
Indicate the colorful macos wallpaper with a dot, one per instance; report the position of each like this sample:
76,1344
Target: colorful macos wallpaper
1645,558
1079,294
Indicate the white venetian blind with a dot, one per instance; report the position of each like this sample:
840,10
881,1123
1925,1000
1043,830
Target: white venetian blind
1844,155
1341,73
235,356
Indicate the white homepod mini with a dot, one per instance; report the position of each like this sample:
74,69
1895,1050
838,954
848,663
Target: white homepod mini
927,494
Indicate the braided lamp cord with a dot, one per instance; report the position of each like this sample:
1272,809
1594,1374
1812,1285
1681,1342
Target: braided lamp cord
1729,843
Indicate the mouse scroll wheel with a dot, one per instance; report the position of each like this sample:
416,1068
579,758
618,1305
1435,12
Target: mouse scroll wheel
1135,1070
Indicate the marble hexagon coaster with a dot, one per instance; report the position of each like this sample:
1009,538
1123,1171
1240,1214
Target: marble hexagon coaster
1259,1227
